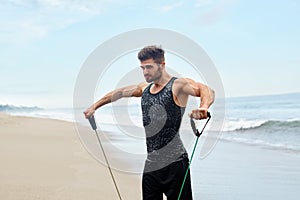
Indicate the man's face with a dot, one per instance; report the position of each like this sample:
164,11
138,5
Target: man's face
152,71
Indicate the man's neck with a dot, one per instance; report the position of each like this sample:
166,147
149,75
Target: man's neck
165,78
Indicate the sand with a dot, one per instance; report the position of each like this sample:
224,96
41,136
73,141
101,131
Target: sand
44,159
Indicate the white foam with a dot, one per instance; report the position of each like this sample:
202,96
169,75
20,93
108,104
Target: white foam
241,124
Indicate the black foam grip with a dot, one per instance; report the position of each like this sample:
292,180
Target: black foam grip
208,115
193,125
92,122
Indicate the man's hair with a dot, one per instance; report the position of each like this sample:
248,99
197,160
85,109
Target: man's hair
154,52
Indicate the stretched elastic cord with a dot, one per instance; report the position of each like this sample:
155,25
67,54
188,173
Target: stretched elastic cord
196,132
94,127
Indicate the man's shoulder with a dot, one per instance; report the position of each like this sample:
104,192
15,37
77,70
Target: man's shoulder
143,85
180,82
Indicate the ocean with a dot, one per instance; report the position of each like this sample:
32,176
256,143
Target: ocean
271,121
258,156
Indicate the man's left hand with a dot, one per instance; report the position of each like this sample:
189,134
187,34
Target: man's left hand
199,113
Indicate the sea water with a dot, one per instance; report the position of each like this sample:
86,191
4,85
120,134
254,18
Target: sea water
270,121
268,126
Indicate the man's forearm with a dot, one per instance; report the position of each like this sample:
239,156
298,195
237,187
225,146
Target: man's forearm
207,97
108,98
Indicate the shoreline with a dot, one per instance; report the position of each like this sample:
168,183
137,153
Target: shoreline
44,159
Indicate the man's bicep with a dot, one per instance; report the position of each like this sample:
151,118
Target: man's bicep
190,87
133,90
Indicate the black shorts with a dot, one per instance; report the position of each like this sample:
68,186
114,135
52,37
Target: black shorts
168,181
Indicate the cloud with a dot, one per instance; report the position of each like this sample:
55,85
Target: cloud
212,11
91,6
24,21
202,3
170,7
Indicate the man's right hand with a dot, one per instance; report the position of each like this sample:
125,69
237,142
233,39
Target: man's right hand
89,112
199,113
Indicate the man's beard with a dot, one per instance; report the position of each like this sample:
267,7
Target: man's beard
156,76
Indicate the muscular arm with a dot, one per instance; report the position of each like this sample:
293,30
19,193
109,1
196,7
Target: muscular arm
128,91
206,94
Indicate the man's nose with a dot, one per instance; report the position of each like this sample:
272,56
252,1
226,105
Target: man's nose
145,71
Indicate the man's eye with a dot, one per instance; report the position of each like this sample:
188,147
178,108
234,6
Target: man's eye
148,66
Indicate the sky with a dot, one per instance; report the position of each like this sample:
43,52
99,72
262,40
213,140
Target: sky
254,44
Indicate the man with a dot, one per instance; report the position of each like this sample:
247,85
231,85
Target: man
163,102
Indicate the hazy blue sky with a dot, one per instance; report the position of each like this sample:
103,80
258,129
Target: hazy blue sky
254,44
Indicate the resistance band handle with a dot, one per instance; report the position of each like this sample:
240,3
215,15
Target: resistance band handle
193,125
94,127
197,133
92,122
208,115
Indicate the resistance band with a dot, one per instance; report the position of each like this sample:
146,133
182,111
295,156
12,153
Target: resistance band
94,127
198,134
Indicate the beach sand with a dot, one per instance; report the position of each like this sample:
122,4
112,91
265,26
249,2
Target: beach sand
44,159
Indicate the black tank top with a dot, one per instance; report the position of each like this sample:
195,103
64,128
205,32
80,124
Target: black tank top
161,120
